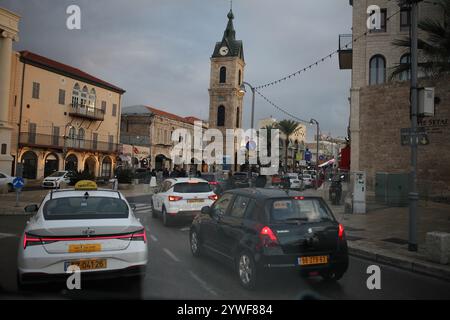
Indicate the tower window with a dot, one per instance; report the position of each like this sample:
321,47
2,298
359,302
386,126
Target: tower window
377,70
223,75
221,116
237,116
240,78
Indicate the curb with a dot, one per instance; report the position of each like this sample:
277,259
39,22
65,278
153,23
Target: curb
424,268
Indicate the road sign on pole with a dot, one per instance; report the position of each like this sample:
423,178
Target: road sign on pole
408,137
18,184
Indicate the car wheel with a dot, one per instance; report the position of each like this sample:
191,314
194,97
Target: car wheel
196,247
166,219
246,271
154,213
331,275
10,187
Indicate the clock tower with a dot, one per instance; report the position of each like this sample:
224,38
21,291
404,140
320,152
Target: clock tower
227,74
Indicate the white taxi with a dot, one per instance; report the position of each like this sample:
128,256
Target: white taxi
181,198
93,229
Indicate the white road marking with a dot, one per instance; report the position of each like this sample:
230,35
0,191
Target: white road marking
203,283
153,238
170,254
185,229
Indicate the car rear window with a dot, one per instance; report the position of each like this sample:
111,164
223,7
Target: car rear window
85,208
302,210
186,187
208,177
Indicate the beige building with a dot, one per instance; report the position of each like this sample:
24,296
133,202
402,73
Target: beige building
379,104
63,118
151,127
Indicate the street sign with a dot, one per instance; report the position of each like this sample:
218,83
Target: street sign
407,136
18,183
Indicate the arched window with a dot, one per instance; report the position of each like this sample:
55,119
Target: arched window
106,167
377,72
76,95
72,136
237,118
81,136
223,75
221,116
92,98
240,78
84,96
405,60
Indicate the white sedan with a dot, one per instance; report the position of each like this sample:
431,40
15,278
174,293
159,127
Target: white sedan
6,180
182,198
95,230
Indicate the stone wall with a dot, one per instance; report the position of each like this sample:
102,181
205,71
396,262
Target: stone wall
384,110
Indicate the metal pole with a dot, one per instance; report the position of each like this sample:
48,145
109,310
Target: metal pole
413,194
252,123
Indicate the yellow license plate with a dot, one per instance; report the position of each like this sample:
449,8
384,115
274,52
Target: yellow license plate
87,264
92,247
306,261
194,200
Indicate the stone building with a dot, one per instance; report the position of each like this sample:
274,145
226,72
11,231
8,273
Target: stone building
379,103
53,116
227,74
151,127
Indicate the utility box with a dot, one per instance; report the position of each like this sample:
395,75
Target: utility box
359,192
392,188
426,102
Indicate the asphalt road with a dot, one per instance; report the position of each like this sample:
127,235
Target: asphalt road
173,273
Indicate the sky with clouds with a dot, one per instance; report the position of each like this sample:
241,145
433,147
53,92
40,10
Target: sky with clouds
159,50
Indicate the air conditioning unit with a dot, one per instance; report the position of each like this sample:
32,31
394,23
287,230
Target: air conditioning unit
426,102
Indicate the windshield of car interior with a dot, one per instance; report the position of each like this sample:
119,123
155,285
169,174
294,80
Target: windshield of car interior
57,174
301,209
187,187
69,208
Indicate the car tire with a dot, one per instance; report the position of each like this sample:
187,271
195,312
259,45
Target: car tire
10,187
247,271
194,241
167,220
331,275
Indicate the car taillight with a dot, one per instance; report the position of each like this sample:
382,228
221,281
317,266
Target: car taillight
139,236
175,198
341,231
29,240
213,197
268,238
214,183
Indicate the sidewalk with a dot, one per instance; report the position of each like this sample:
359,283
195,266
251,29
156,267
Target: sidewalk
8,201
382,234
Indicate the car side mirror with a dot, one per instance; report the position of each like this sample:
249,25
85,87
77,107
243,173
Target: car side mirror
31,208
206,210
133,207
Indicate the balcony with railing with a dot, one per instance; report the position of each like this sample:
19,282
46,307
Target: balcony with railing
143,141
345,51
57,142
86,112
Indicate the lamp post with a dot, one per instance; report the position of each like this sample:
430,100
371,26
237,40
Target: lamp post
252,123
314,121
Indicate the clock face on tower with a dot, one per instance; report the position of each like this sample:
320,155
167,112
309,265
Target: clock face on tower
223,51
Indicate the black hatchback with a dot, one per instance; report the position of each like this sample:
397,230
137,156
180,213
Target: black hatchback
261,230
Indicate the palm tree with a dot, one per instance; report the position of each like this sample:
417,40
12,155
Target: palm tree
435,48
287,127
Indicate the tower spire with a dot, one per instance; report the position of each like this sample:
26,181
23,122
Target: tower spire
230,33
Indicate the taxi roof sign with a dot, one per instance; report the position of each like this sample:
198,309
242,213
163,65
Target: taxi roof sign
85,185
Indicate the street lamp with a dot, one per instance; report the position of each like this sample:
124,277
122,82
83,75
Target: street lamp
314,121
252,123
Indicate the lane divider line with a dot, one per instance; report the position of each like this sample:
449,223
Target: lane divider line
203,283
170,254
153,238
